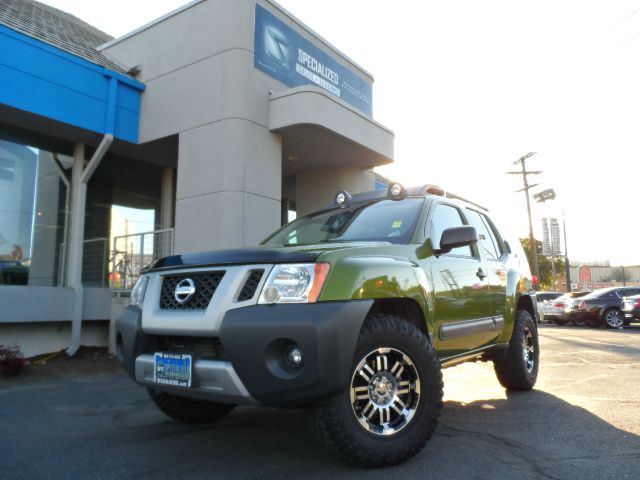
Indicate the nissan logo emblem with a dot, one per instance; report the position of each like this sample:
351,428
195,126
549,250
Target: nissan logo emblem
184,290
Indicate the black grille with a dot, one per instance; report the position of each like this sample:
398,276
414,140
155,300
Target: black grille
251,285
206,284
203,347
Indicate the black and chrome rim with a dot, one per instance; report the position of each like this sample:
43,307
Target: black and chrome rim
528,350
614,319
385,391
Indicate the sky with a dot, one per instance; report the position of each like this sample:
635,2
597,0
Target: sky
469,87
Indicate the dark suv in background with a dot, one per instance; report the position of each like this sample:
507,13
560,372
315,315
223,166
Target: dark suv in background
602,307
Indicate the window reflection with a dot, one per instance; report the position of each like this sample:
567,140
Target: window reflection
33,206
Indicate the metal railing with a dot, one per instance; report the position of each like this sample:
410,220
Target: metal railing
95,258
133,252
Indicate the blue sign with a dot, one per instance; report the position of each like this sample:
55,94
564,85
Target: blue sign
290,58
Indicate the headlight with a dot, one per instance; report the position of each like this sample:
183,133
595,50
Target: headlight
137,294
294,283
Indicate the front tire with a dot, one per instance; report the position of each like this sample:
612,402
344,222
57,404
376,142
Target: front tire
392,405
189,410
518,369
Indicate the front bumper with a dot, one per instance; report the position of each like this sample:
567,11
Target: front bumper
256,340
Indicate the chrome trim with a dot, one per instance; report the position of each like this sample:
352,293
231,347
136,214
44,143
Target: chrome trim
157,321
465,328
211,380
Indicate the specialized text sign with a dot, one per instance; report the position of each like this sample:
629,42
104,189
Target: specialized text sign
290,58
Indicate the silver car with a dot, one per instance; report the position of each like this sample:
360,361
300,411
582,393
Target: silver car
557,310
545,302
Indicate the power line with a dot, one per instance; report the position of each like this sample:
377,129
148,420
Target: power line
624,20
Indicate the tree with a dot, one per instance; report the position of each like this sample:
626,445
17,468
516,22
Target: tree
544,264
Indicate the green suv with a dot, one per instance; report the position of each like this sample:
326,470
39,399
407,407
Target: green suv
350,312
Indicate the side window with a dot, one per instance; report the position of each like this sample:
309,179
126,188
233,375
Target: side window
446,216
497,240
486,241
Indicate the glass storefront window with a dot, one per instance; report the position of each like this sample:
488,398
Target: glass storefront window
33,215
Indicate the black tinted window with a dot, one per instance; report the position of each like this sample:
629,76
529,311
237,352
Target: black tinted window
627,292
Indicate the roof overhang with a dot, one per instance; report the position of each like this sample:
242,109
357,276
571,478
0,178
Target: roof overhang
40,79
320,130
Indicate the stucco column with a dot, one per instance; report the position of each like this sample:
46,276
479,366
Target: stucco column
229,186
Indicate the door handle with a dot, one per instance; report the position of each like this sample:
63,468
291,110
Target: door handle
481,274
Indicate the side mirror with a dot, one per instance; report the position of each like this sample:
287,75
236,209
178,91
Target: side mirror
457,237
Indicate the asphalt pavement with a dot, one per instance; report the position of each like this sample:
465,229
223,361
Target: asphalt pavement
581,422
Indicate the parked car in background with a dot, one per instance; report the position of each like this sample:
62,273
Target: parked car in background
631,309
545,300
557,310
602,307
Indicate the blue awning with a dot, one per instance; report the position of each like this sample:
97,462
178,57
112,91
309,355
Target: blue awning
44,80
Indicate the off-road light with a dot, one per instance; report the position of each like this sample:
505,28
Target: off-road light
294,357
395,189
342,198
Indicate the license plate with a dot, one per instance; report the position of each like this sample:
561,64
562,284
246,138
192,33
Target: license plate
172,369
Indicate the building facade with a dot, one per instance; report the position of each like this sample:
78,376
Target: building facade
221,120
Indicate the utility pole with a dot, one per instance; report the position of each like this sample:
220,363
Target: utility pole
524,173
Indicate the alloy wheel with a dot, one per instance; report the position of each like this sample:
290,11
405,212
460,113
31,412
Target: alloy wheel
385,391
614,319
528,349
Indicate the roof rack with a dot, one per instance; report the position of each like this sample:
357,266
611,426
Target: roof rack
343,198
430,189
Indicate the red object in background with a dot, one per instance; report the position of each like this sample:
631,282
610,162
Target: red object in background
535,280
559,305
584,274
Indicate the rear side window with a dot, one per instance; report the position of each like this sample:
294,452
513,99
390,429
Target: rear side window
486,241
627,292
447,216
495,235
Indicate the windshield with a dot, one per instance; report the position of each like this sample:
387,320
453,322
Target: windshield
391,221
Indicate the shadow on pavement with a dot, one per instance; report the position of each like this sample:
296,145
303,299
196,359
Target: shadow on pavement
107,428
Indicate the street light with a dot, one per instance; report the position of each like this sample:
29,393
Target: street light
544,195
541,197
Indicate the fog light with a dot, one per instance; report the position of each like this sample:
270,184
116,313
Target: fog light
294,357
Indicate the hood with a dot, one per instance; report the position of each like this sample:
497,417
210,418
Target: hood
251,255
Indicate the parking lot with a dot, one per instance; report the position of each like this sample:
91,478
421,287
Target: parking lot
581,422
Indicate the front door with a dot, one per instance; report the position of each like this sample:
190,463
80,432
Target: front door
462,302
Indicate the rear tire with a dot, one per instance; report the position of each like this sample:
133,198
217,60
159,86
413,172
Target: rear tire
189,410
392,405
613,318
518,369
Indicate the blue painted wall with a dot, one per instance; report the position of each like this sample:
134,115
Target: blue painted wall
42,79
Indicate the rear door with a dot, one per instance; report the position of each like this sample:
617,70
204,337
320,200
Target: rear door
492,248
